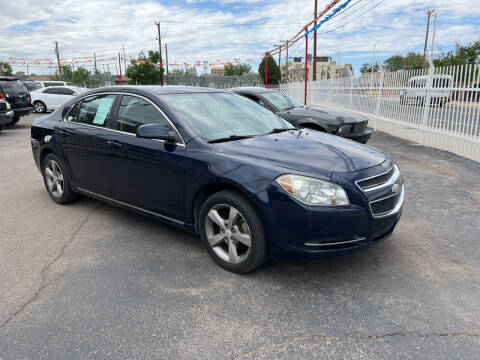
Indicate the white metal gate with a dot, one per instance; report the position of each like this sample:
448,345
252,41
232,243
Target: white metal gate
437,107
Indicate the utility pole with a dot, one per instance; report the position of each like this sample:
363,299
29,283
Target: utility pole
120,67
58,59
433,35
266,68
95,62
166,60
124,60
279,55
160,51
315,45
286,62
429,13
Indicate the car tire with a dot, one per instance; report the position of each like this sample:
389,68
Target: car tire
56,180
39,106
16,119
232,232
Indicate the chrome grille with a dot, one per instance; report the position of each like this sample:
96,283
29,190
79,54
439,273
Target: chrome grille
390,182
375,181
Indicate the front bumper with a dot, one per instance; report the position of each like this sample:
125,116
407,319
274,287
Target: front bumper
296,230
6,118
361,137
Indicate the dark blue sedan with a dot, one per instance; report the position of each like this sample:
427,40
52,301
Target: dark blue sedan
221,166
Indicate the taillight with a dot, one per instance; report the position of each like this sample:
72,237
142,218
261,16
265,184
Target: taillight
29,98
2,96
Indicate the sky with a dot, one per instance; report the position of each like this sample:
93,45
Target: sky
201,30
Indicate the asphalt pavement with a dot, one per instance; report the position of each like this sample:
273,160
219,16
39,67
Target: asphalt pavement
92,281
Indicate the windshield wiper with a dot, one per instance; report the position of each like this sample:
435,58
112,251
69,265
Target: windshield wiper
230,138
278,130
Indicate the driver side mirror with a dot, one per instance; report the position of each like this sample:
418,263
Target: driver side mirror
157,132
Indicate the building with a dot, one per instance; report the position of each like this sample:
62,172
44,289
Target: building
326,69
217,71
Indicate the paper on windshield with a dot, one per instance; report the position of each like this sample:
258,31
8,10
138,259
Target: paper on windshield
103,110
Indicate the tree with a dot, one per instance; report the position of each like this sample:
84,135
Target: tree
5,68
143,70
413,61
80,77
395,63
67,73
366,68
273,71
237,69
462,55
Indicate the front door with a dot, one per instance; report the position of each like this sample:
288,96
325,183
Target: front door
147,173
85,143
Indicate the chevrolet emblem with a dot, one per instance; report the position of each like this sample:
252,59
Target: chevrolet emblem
395,188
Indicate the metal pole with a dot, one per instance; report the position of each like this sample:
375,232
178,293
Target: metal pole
373,64
433,35
315,45
306,65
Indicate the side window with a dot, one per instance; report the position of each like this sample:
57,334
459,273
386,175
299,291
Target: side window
65,91
94,110
52,91
73,114
135,112
256,99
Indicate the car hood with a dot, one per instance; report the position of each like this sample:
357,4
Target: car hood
334,115
305,151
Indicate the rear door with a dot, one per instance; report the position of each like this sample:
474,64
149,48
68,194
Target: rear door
84,139
147,173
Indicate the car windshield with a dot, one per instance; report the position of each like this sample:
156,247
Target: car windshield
281,101
215,116
31,86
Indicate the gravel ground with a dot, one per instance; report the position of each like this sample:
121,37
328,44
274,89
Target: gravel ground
89,280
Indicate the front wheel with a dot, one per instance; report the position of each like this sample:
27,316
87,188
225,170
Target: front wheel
232,232
56,180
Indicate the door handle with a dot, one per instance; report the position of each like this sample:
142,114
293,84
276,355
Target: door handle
114,143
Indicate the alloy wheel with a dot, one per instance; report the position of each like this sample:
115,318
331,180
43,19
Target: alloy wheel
54,178
39,108
228,233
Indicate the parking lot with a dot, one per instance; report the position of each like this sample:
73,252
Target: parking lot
89,280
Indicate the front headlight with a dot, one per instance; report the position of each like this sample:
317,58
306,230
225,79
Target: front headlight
344,129
313,191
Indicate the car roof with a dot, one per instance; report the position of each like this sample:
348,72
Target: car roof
251,90
161,90
8,78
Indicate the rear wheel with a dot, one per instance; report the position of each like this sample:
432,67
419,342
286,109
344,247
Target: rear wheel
232,232
56,180
39,106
